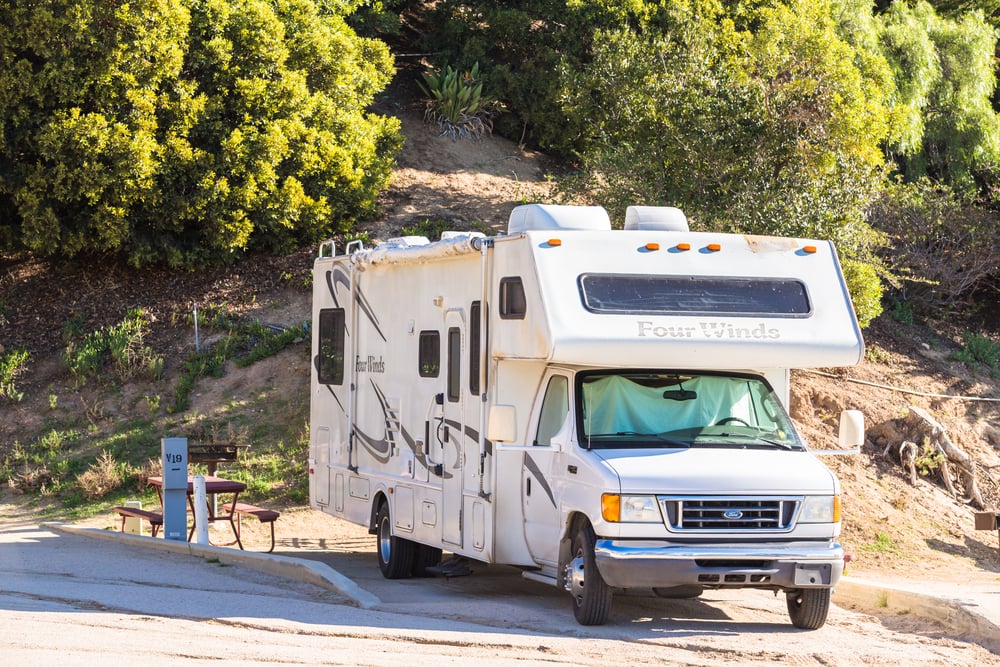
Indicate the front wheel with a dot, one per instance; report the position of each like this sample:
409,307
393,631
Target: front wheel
808,607
591,596
395,554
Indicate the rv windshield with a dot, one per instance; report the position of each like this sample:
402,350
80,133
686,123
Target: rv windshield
663,409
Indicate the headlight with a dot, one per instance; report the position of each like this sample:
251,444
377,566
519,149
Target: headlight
820,509
630,509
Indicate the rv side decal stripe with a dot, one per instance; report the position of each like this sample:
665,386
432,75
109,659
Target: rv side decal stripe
532,467
410,441
470,433
379,449
336,398
333,278
367,309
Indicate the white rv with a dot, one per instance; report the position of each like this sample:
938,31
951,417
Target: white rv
605,409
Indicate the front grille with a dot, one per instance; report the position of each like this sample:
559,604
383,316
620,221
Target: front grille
716,514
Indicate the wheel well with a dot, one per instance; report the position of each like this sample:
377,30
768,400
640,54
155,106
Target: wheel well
377,503
573,523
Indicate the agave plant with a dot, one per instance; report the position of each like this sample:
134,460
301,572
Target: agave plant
456,102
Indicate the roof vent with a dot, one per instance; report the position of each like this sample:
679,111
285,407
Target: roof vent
552,216
662,218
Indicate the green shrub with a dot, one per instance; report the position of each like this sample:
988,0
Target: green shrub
185,132
11,365
901,311
941,247
456,102
121,345
978,350
866,290
428,228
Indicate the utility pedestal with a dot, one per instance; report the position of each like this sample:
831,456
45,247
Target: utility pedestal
989,521
175,483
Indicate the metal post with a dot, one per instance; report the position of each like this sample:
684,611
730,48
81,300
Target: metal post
200,511
197,341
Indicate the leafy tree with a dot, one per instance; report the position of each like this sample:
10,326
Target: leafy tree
186,131
767,132
521,45
942,249
945,78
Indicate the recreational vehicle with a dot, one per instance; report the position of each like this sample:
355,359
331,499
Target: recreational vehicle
605,409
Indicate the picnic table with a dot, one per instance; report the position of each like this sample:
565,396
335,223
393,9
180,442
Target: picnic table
214,486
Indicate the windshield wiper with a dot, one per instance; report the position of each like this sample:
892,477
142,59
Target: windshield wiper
773,443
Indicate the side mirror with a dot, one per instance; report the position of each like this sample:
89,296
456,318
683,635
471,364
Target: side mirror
502,424
852,429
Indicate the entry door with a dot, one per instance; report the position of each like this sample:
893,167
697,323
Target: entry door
452,432
539,498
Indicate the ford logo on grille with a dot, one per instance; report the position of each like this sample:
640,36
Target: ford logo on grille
733,514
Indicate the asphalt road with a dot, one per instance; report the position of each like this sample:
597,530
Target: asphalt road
71,599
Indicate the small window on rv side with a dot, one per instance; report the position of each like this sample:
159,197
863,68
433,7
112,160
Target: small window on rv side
454,364
330,360
555,407
429,355
476,322
694,295
513,305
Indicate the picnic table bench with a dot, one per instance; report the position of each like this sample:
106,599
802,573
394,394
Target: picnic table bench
244,509
155,519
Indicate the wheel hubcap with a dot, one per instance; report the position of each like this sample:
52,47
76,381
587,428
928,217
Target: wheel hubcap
574,577
384,544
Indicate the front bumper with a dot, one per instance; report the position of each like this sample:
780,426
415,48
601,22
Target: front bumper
654,564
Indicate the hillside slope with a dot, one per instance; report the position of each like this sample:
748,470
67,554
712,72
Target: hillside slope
890,526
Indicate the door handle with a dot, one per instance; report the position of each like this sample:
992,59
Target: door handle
528,491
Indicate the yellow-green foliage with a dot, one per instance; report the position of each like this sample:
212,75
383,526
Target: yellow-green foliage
866,290
186,131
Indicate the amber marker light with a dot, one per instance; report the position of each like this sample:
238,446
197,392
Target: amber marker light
555,243
611,507
652,246
714,247
836,509
809,249
683,246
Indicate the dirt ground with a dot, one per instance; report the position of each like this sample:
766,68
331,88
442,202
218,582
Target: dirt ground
890,527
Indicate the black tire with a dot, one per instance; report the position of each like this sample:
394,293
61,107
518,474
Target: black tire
808,607
591,596
423,558
395,554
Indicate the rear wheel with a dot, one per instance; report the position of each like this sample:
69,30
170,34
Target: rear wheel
808,607
591,596
423,558
395,554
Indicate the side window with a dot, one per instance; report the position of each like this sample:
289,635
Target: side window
513,305
475,352
454,364
429,354
555,406
330,361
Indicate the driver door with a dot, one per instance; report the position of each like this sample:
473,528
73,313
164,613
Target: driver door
540,506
